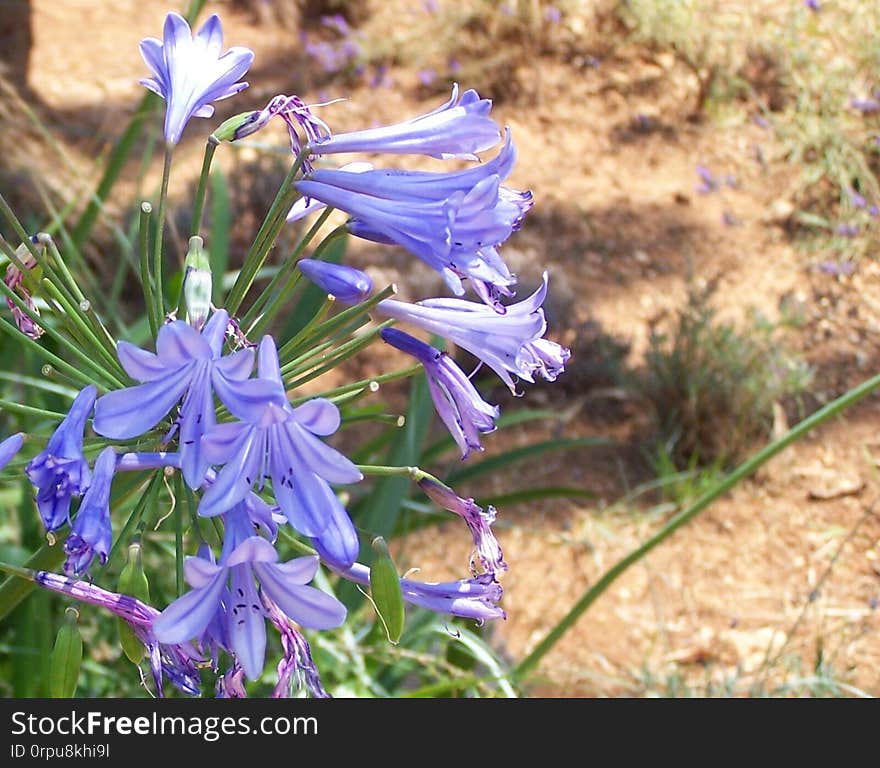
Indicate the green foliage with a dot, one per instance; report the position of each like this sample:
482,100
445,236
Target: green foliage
713,386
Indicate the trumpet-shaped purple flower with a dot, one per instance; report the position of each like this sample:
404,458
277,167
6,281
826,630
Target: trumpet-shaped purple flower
245,561
509,343
187,365
478,521
452,221
9,448
61,472
475,598
459,128
175,661
190,72
91,533
276,440
347,284
462,409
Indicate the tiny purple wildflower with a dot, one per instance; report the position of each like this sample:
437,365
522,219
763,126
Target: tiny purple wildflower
708,183
91,534
344,283
813,5
60,471
847,230
427,76
458,403
187,364
189,72
866,106
511,343
857,200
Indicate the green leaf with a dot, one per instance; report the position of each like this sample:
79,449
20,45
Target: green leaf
533,451
66,659
221,225
386,591
133,581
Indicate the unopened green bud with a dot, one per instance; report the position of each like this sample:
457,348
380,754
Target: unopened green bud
133,582
197,283
241,125
386,591
66,658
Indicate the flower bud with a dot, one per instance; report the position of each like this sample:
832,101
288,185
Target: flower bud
197,283
241,125
133,582
386,590
66,659
346,284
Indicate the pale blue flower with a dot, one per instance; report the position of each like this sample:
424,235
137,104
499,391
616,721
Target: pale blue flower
190,72
275,440
246,561
511,344
344,283
459,128
9,448
187,364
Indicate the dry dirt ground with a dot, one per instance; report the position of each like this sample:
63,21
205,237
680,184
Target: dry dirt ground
776,584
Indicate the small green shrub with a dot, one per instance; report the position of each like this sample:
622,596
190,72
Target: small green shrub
713,387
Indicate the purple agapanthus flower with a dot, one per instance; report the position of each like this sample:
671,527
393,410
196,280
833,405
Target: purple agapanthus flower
452,221
175,661
190,72
187,364
60,471
91,534
344,283
509,343
478,520
459,128
246,560
273,439
458,403
9,448
475,598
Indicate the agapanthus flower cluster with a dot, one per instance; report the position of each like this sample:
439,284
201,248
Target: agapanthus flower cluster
211,398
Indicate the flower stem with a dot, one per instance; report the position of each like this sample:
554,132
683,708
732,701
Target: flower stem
744,470
201,190
371,383
159,297
285,279
266,236
146,278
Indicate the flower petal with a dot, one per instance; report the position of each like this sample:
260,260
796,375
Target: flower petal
307,606
189,615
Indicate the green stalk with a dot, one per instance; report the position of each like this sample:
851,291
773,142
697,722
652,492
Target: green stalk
85,330
201,190
160,226
287,277
88,315
27,410
19,230
744,470
83,358
54,360
341,353
404,373
337,321
266,236
20,582
146,278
